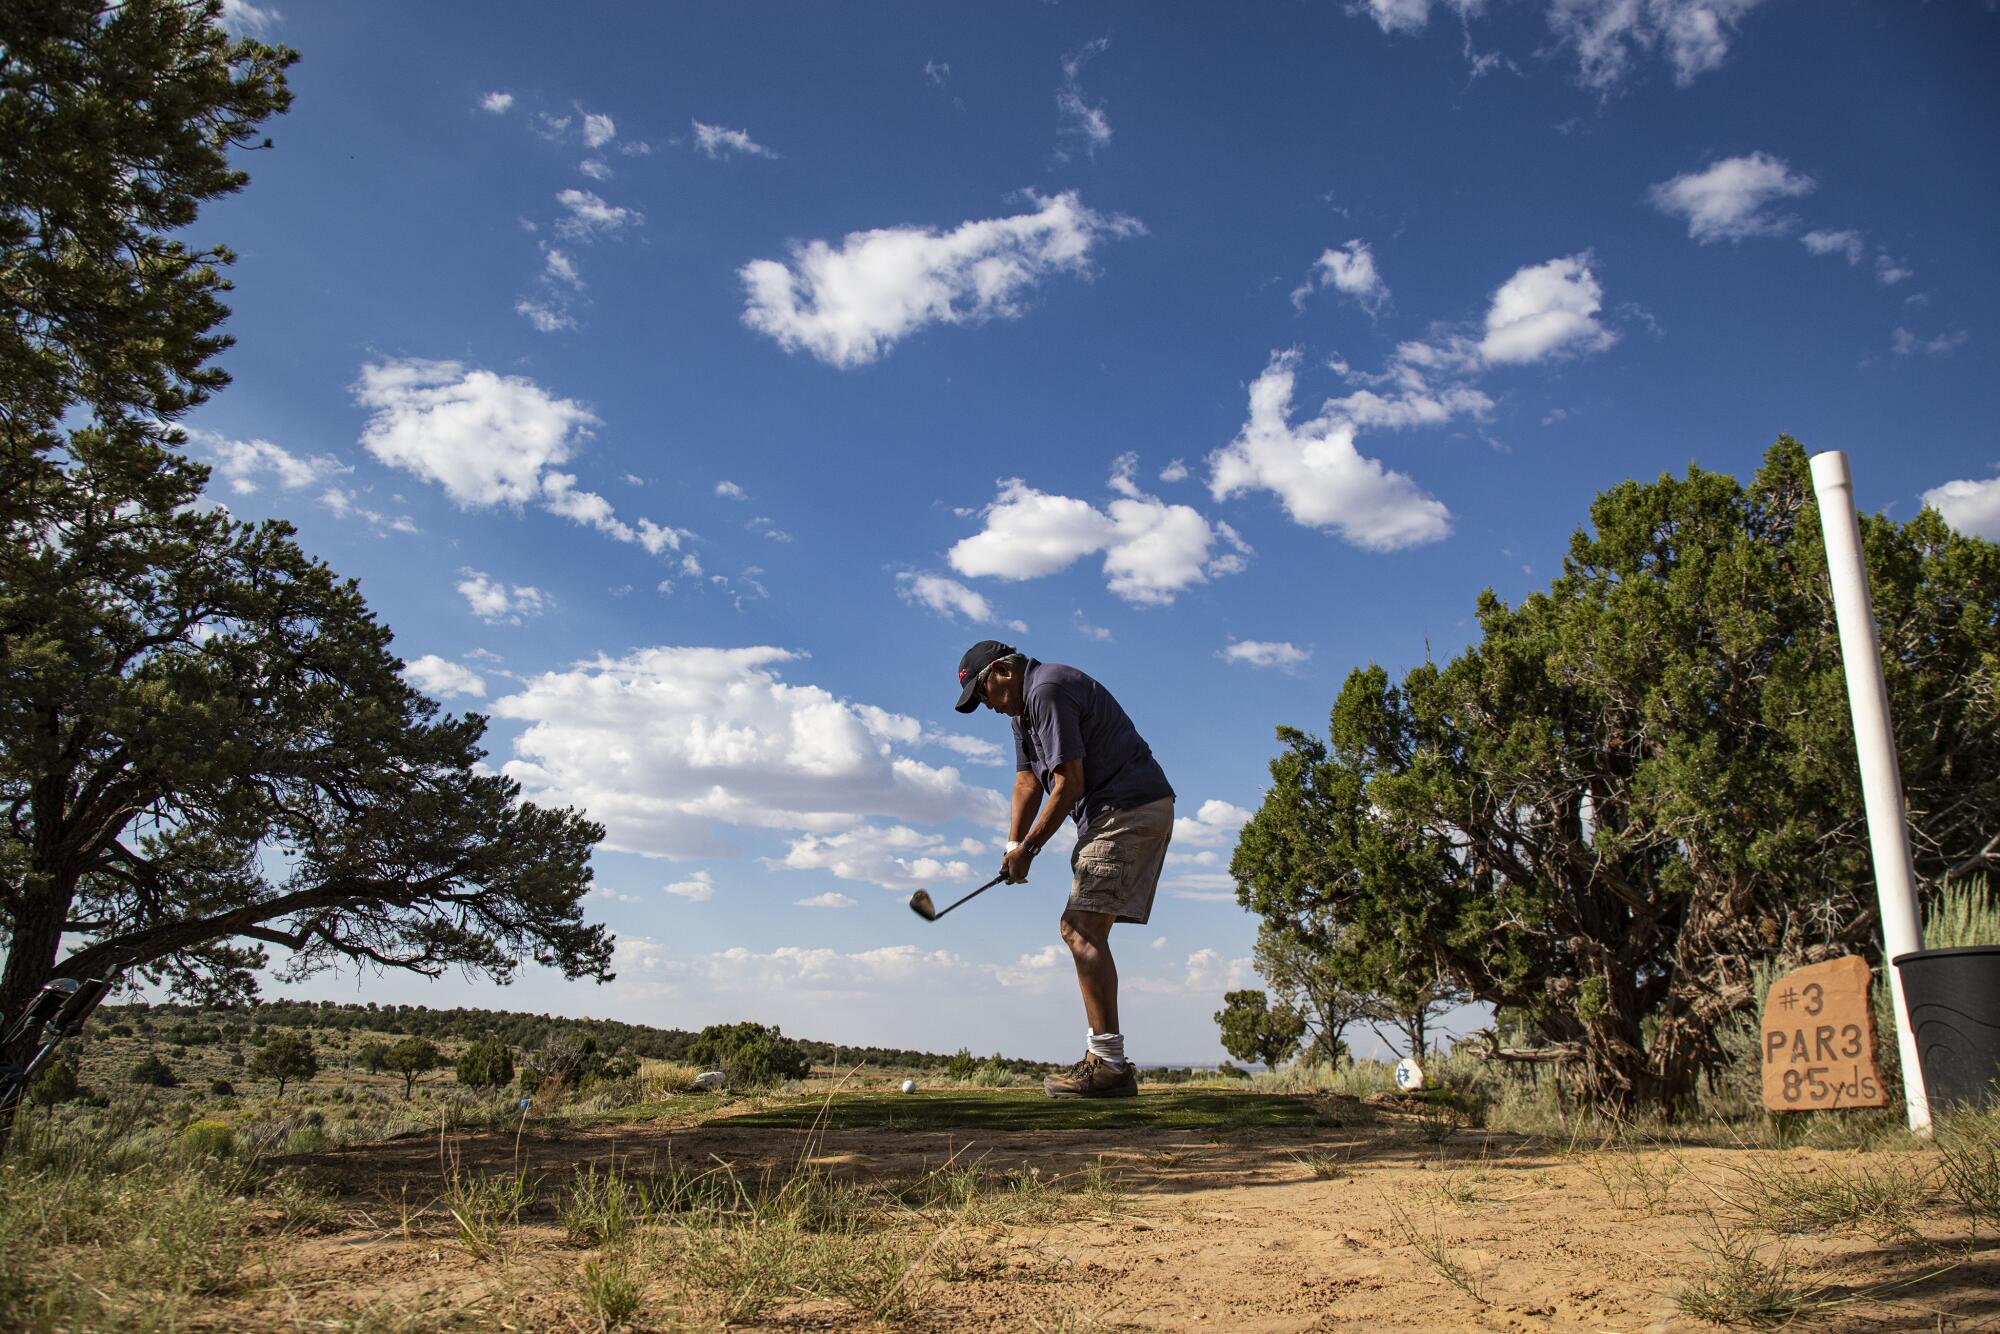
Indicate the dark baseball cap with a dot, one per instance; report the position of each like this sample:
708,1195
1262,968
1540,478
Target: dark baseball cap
976,660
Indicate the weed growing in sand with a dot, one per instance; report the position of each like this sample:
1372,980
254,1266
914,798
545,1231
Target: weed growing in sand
1968,1147
1741,1286
1880,1201
1432,1245
1322,1163
482,1205
595,1209
1634,1182
1099,1192
609,1291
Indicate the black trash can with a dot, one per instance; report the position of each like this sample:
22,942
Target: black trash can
1954,998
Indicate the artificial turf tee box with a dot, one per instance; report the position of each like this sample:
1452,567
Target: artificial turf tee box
1031,1109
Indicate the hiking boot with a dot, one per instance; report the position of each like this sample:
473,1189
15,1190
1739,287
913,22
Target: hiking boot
1093,1077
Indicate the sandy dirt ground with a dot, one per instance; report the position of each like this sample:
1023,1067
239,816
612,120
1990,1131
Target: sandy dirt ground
1223,1229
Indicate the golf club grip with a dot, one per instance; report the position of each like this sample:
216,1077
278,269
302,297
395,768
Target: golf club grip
970,897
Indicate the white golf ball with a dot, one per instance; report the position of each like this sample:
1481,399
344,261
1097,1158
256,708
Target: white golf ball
909,1086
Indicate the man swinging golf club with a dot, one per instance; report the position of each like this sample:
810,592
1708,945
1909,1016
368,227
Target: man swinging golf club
1074,743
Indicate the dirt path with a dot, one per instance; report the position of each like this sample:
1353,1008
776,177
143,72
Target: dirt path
1376,1228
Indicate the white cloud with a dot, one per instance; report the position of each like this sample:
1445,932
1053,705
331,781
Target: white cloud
247,464
343,503
793,969
1089,631
1208,973
1176,471
951,600
1731,199
489,440
1076,117
1319,476
936,71
1159,942
731,491
1152,550
1848,243
1404,16
764,527
546,318
1039,971
667,746
975,749
598,130
714,141
1214,824
1973,508
550,127
1906,344
242,16
833,898
561,268
596,168
1608,36
699,887
849,306
1351,271
1546,310
494,602
442,679
1264,653
497,103
590,217
1890,271
893,856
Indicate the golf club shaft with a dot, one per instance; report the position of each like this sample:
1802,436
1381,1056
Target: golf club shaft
970,897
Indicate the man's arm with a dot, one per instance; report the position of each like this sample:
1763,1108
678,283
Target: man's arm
1065,790
1027,798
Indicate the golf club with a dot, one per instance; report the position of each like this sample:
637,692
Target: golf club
921,905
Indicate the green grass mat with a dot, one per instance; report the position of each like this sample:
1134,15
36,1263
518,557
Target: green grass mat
1028,1109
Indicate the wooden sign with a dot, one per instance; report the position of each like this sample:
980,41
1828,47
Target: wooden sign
1819,1039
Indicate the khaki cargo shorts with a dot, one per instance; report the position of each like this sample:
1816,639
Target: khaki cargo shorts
1116,865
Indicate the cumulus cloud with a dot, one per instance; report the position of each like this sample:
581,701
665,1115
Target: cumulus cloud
1848,243
1077,118
668,745
1395,16
497,103
731,491
893,856
1973,508
699,887
489,440
1176,471
1208,972
442,679
1731,199
243,17
714,141
1215,824
849,306
545,316
951,600
494,602
1152,550
1546,310
248,465
1264,653
1318,475
598,130
1889,271
833,898
1351,271
1038,971
587,217
1906,344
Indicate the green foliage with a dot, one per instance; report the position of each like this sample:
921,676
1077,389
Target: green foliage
58,1082
961,1065
487,1063
286,1056
750,1054
153,1072
1253,1031
374,1057
411,1058
1640,783
1965,912
208,1139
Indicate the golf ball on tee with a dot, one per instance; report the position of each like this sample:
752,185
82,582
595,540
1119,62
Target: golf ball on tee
909,1086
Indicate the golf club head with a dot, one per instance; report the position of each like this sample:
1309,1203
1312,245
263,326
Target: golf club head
921,905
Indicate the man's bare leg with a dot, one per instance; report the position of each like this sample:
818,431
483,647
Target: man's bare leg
1088,935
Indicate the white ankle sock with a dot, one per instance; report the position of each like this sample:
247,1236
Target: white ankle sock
1108,1046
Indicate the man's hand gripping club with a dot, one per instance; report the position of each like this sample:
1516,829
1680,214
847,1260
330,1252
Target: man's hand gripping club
1033,821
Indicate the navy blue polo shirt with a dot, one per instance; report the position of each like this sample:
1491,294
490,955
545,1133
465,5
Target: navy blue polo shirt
1070,716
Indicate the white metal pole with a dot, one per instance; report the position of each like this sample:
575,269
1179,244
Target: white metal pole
1881,779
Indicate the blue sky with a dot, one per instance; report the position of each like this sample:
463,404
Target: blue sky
688,386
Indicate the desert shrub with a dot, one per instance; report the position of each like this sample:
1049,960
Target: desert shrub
664,1079
961,1065
284,1057
221,1088
57,1083
487,1063
1966,912
374,1056
153,1072
208,1139
750,1054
